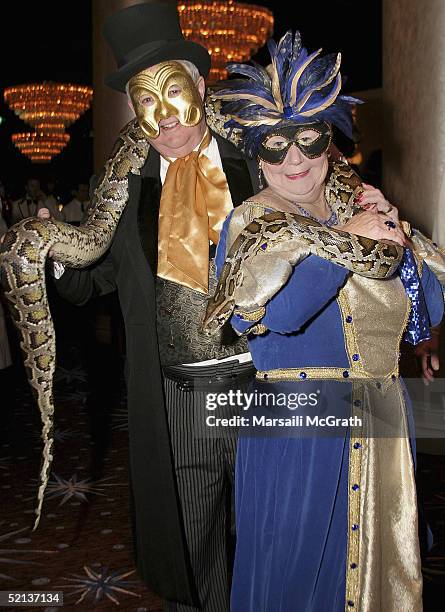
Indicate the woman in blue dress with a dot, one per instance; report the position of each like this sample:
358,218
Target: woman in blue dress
324,522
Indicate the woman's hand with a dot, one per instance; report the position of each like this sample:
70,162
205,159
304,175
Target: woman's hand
373,200
376,226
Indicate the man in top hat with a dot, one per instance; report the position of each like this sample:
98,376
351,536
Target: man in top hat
161,263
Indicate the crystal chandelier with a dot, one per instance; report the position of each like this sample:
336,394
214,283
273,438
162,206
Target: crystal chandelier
230,31
49,108
40,146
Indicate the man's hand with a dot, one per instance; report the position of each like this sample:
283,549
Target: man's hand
427,353
43,213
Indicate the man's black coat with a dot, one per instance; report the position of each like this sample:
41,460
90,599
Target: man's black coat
130,266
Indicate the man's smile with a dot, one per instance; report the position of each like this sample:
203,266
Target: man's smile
170,124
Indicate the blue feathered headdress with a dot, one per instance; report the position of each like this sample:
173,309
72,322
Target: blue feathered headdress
298,87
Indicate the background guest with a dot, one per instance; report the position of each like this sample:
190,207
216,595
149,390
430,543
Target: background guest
52,200
32,202
3,224
5,355
74,212
6,205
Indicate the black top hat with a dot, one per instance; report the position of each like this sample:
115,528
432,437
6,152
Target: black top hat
145,34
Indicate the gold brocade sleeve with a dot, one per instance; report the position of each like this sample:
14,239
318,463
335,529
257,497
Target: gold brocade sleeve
429,252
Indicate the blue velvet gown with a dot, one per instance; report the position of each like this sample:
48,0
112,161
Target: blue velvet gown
293,494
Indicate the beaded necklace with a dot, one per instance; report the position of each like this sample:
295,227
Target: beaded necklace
333,219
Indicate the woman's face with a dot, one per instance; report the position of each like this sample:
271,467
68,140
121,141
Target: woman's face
298,178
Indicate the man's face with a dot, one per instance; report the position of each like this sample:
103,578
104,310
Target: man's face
169,107
33,188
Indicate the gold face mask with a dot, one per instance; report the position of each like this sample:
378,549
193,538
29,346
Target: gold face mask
168,91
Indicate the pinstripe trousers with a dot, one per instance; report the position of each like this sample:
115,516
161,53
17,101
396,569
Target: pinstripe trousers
204,468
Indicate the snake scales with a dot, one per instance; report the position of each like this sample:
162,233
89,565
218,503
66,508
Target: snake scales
22,263
262,257
26,246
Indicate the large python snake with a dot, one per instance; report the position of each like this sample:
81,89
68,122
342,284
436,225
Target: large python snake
22,263
26,246
261,258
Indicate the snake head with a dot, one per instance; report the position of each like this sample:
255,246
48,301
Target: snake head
217,314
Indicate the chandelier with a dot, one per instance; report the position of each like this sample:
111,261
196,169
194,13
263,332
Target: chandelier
230,31
49,108
40,146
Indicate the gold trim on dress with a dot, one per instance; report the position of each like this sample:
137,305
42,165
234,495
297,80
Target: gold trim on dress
294,374
258,330
322,373
252,315
351,341
356,449
433,255
406,227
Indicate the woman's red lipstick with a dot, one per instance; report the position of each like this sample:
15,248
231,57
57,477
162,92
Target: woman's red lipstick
295,177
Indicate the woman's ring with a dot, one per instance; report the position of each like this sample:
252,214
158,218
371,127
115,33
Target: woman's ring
390,224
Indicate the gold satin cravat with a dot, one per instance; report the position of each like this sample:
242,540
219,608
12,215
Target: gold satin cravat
195,201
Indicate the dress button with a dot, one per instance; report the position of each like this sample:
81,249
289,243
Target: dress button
349,319
265,376
303,375
353,566
355,487
355,357
357,445
350,604
346,374
357,403
378,385
354,527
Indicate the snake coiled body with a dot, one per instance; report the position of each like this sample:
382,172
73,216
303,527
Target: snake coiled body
26,246
261,258
22,259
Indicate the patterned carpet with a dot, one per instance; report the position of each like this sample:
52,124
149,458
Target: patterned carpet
431,492
83,544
